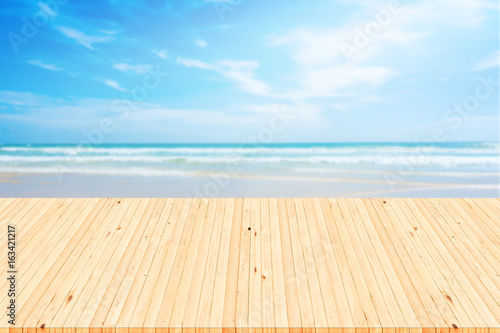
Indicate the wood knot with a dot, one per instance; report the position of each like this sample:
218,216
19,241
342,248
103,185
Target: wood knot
255,269
454,326
119,202
249,228
448,298
42,326
415,228
384,201
263,277
70,297
118,228
256,233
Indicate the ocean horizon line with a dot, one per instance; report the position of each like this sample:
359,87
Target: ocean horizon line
253,143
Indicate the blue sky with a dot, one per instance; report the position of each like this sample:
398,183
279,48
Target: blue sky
218,71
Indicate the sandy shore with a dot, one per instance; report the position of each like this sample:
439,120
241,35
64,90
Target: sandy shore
85,185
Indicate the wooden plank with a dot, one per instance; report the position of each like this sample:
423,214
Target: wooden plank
437,284
112,302
268,316
85,285
189,268
170,294
203,315
31,228
468,252
367,228
439,260
485,249
53,257
254,265
59,285
229,315
178,236
320,317
119,261
65,297
414,263
375,274
299,261
341,269
132,293
351,265
255,284
242,299
278,279
217,304
169,217
460,271
422,304
291,290
193,301
341,302
482,217
456,250
360,263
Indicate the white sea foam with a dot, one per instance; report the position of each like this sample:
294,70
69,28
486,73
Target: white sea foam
437,160
97,171
480,149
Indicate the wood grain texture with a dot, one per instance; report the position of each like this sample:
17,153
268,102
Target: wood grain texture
254,265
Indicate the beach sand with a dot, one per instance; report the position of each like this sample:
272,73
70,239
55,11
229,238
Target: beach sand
91,185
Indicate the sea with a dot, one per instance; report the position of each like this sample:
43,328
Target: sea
472,164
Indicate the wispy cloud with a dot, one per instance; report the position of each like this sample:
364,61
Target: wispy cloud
41,64
490,61
200,42
240,72
82,38
25,98
114,84
47,112
134,69
322,69
161,53
47,9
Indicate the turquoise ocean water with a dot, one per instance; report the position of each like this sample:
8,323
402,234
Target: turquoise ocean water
463,161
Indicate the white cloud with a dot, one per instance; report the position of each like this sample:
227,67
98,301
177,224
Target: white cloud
135,69
312,46
114,84
322,68
200,42
47,9
161,53
449,12
241,72
490,61
24,98
82,38
41,64
109,32
48,112
329,81
195,63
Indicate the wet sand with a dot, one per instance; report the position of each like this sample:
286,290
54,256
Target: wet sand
85,185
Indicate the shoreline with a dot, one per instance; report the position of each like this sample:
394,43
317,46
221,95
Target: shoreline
95,185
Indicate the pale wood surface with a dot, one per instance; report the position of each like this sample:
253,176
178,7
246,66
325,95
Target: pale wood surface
256,265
